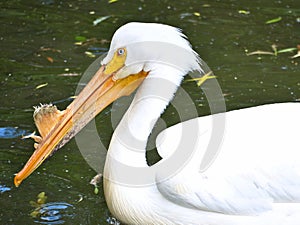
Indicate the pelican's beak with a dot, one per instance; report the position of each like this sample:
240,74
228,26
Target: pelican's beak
102,90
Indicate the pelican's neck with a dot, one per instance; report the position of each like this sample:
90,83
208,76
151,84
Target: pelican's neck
128,144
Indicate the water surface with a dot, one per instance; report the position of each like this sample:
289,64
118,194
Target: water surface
37,48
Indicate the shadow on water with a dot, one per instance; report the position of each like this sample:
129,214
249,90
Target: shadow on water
40,63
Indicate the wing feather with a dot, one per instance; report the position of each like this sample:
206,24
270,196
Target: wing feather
258,165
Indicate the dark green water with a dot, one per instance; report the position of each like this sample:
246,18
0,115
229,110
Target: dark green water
37,47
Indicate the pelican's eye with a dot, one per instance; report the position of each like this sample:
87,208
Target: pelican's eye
117,62
121,51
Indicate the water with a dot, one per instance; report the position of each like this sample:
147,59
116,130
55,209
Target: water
37,47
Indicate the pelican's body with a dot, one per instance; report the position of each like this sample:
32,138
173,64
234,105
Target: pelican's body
255,177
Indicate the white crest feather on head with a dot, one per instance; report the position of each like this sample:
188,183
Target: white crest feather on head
152,42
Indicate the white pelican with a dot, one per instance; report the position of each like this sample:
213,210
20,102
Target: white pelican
255,178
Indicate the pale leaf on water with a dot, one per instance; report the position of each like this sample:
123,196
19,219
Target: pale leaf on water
41,86
286,50
245,12
202,79
100,19
275,20
260,53
296,56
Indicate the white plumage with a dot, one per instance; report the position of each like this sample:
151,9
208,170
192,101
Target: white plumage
255,178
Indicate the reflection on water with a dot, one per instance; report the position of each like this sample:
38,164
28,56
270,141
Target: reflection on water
54,213
3,188
112,221
12,132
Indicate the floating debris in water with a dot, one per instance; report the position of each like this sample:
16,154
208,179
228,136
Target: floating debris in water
275,51
197,14
95,181
41,86
100,19
89,54
69,74
50,213
80,38
245,12
50,59
275,20
41,199
92,41
298,53
80,199
202,79
43,49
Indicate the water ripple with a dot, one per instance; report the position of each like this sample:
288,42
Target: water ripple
53,213
12,132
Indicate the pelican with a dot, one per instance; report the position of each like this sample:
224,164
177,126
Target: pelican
254,179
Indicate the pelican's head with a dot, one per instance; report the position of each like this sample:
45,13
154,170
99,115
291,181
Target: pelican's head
143,46
136,49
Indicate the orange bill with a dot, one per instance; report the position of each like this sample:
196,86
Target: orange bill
101,91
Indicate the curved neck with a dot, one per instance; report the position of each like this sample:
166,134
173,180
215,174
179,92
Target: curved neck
128,144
